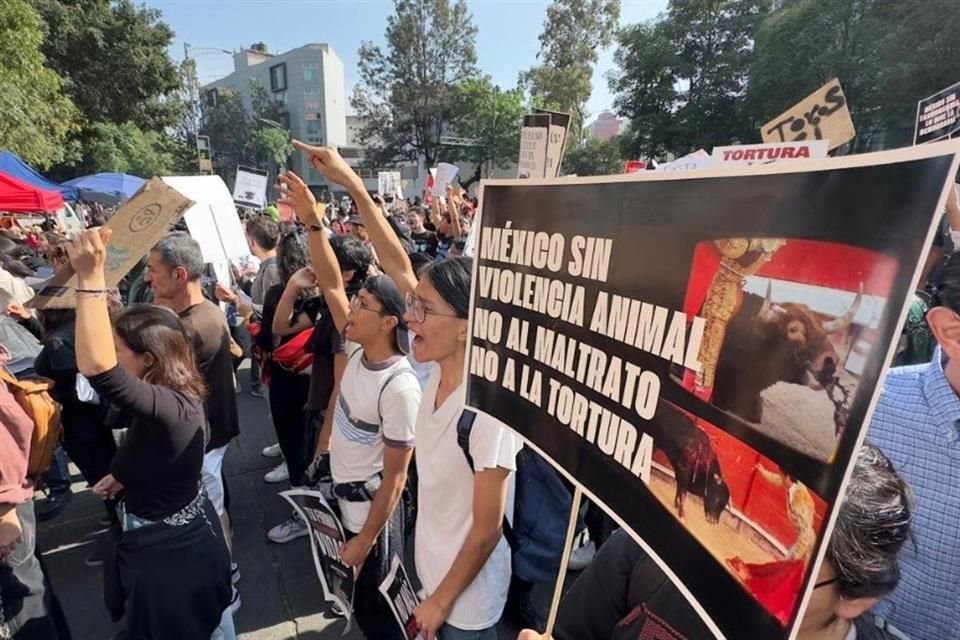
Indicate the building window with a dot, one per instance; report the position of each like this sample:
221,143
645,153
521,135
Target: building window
312,106
314,176
312,91
314,131
212,97
311,72
278,77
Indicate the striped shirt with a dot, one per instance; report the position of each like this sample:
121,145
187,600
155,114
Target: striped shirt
917,424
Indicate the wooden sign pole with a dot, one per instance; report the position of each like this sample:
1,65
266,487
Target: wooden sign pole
564,559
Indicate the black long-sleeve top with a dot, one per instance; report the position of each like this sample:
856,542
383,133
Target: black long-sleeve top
159,462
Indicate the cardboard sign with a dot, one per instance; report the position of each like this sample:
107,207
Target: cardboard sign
823,115
250,187
559,126
337,580
139,224
446,174
766,153
534,146
624,349
397,590
634,166
699,159
938,116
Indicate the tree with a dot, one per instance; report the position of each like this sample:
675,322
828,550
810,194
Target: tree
492,117
37,115
407,96
573,33
128,149
682,80
114,58
594,158
887,55
230,128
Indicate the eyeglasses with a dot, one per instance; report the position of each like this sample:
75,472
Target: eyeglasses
419,312
826,582
356,303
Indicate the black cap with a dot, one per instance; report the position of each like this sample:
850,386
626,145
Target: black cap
356,220
394,303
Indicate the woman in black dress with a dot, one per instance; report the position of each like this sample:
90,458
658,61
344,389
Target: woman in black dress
170,572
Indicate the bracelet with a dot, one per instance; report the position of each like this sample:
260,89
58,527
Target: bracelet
92,292
315,227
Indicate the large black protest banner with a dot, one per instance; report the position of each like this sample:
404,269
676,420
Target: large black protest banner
701,352
938,116
326,539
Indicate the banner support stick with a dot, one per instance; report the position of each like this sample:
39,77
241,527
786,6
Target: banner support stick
564,559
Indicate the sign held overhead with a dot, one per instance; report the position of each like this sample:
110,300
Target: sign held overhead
823,115
938,116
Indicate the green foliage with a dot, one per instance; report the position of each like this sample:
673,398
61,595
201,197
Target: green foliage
273,145
126,148
682,80
231,129
492,117
408,94
37,115
573,32
886,54
594,158
114,58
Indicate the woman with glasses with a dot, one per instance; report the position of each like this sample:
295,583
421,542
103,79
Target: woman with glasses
623,589
462,558
374,418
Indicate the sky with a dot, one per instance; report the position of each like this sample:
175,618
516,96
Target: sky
506,43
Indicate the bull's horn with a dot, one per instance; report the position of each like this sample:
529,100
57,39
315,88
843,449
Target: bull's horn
842,322
767,313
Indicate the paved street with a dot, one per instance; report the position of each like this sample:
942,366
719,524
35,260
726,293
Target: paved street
279,587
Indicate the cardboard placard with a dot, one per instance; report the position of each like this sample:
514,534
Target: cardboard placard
139,224
624,349
534,146
337,580
771,152
823,115
250,187
388,183
938,116
559,127
699,159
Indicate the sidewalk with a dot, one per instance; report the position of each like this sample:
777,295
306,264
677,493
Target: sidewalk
279,588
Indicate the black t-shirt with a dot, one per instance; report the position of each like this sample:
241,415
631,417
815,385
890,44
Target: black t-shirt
160,460
58,361
425,242
211,342
266,340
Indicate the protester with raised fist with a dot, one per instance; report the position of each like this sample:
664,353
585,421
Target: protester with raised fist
462,558
169,573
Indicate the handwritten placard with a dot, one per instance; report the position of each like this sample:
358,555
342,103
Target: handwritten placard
823,115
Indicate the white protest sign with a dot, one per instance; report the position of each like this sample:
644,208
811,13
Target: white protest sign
446,173
559,126
250,186
534,143
938,116
699,159
388,182
765,153
823,115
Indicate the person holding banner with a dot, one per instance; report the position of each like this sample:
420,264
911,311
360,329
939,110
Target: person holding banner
373,435
169,575
462,557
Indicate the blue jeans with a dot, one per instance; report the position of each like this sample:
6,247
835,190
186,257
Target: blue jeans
448,632
57,477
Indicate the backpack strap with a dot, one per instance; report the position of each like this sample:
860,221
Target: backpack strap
464,429
386,383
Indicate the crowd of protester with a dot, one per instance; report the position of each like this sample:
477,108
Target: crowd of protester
354,318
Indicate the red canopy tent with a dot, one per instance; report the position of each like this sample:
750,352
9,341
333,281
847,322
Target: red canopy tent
20,197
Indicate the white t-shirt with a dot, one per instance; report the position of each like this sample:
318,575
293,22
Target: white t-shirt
358,439
445,503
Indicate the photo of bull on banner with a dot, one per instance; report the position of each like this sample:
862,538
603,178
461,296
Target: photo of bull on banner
700,355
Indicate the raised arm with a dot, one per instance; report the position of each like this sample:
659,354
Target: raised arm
326,269
389,251
95,349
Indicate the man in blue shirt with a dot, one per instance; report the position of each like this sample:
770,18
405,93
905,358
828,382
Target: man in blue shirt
917,424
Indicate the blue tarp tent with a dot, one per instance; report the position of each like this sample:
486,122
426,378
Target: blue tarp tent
12,165
106,188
